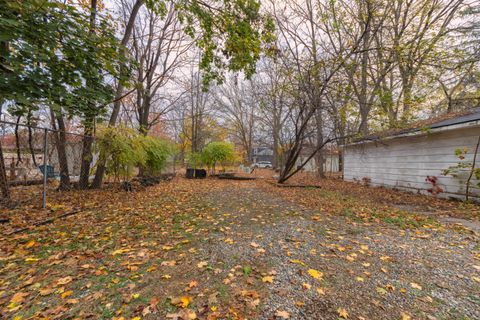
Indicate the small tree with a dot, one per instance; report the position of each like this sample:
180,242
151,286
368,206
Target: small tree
157,152
195,160
217,152
123,149
465,169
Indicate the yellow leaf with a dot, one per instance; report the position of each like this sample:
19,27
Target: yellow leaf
268,279
115,280
66,294
315,274
213,308
299,303
63,281
282,314
30,244
182,301
166,276
360,279
342,313
30,259
120,251
18,297
296,261
168,263
416,286
405,316
152,268
321,291
45,292
135,295
306,285
381,290
202,264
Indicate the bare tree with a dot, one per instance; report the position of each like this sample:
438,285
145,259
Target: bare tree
160,47
236,104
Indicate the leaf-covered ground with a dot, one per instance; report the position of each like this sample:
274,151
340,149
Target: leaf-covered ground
220,249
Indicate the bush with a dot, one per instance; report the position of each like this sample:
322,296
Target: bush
124,149
217,152
195,160
157,152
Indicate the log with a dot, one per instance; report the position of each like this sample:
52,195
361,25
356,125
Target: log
25,182
44,222
307,186
229,177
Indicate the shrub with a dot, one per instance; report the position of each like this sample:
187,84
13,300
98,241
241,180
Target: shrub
195,160
217,152
122,149
157,152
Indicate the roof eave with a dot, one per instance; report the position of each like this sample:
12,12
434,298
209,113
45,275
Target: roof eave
419,132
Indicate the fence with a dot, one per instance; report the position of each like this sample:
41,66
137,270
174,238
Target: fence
38,160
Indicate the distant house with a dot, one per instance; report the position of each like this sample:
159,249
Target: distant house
415,159
330,156
262,154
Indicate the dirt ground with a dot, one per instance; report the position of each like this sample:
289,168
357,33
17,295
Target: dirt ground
222,249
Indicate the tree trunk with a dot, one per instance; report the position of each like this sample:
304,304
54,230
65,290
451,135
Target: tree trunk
30,139
60,141
407,99
87,156
100,172
3,176
89,119
319,158
17,142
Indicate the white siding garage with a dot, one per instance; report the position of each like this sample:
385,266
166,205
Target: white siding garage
404,161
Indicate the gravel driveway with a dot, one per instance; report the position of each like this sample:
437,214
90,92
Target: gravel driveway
367,270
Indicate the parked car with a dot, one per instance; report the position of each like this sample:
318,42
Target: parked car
262,164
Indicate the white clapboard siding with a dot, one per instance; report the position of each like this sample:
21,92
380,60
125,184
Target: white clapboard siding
405,162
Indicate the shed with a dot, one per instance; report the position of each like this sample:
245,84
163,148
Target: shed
415,159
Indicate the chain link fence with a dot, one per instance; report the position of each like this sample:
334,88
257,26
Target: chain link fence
39,161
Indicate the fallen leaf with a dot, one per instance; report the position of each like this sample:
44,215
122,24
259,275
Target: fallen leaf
181,302
415,285
405,316
315,274
120,251
170,263
342,313
282,314
64,281
321,291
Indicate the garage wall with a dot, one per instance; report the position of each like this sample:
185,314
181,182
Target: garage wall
405,162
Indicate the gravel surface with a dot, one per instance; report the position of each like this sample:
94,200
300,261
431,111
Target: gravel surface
370,270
